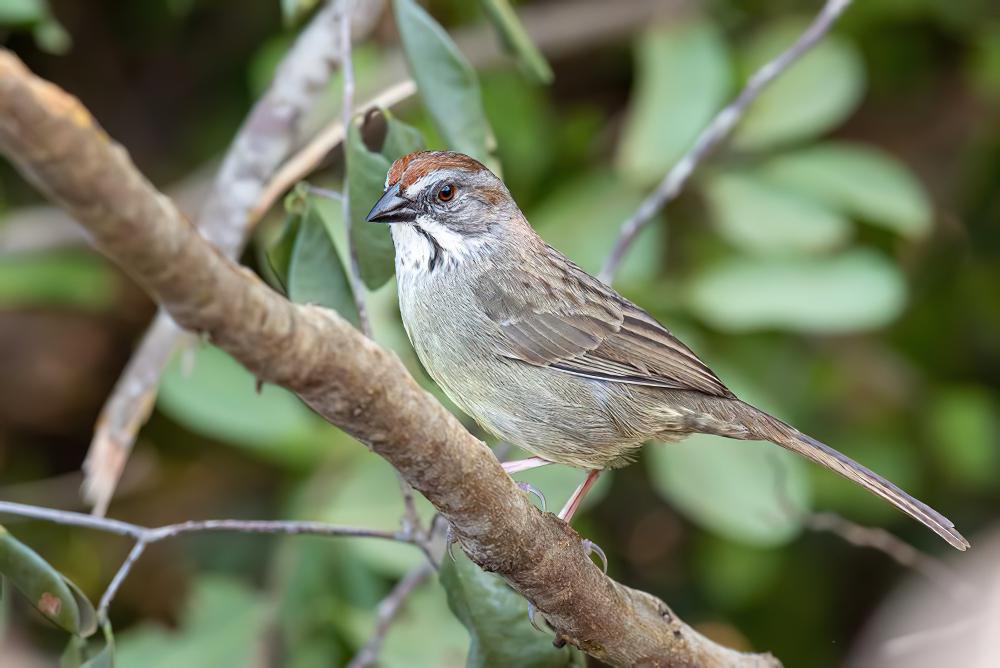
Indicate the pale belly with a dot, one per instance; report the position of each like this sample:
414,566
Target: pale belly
558,416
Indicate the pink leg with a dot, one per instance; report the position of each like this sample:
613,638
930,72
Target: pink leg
566,514
524,464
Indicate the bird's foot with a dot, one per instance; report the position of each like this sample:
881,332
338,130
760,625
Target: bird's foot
590,547
534,491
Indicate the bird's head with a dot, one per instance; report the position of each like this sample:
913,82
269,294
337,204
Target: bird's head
443,206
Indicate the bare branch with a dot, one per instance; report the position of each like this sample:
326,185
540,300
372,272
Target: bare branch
343,375
386,613
269,134
716,131
144,536
346,112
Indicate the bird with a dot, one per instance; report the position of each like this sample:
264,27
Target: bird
547,357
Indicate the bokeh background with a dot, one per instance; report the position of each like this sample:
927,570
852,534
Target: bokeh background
838,263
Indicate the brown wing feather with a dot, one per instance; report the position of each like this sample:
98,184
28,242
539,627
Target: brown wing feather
569,321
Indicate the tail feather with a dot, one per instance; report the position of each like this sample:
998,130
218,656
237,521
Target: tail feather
769,428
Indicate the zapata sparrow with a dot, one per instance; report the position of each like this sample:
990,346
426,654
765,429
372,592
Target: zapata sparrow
547,357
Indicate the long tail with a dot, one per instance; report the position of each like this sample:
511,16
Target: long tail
766,427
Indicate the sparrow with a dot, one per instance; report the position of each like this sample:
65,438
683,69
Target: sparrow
547,357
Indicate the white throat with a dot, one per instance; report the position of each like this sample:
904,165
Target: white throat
427,246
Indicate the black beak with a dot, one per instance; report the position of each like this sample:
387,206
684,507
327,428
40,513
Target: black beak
391,208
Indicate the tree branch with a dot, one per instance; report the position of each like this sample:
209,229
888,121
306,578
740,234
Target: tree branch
386,612
144,536
344,376
716,131
269,134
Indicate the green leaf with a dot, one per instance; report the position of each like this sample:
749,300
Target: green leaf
367,494
52,37
279,255
816,94
315,272
448,85
58,599
366,173
218,398
735,575
81,653
400,139
859,180
496,618
223,625
22,12
729,487
963,423
65,279
517,41
426,635
682,79
856,290
762,218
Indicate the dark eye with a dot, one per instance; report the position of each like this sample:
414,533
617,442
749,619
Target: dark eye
447,192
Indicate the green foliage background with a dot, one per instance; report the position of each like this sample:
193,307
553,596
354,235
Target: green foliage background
838,263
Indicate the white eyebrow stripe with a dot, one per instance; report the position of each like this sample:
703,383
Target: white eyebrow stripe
423,182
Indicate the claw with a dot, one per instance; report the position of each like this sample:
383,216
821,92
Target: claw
532,613
449,540
531,489
590,547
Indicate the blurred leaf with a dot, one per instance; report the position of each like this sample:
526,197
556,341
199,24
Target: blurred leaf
682,79
730,487
22,12
447,82
51,36
517,40
223,625
855,290
497,620
400,139
425,634
582,217
964,427
762,218
321,583
816,94
218,399
80,653
366,174
526,129
367,494
315,272
735,575
279,255
859,180
69,279
58,599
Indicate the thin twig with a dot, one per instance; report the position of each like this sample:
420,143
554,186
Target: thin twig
386,612
716,132
145,536
346,111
